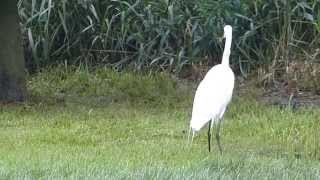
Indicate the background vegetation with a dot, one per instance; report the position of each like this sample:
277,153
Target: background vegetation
169,34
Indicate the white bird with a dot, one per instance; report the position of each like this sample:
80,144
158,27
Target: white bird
214,94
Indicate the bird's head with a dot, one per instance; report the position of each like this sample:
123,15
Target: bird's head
227,31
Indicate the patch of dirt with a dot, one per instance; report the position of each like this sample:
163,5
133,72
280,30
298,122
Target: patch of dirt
280,94
301,99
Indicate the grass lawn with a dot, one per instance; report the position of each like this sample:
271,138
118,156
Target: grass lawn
108,125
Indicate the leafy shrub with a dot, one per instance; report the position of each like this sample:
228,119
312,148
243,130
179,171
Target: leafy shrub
166,34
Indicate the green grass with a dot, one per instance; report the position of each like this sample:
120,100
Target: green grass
102,127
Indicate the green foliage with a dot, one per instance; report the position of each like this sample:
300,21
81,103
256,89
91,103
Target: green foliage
105,84
113,32
267,31
166,34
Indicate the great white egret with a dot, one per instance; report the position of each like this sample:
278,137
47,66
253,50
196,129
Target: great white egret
214,94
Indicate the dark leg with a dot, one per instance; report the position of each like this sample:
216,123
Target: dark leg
218,135
209,135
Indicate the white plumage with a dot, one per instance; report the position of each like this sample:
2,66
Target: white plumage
214,93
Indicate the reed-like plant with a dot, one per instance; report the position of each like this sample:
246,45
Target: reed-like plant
166,34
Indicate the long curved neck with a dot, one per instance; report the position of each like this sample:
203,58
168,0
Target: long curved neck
227,49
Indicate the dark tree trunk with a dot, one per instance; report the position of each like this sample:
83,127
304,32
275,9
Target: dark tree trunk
12,70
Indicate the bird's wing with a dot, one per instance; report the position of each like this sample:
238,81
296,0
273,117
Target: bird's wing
212,96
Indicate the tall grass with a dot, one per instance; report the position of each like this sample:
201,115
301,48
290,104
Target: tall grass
166,34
